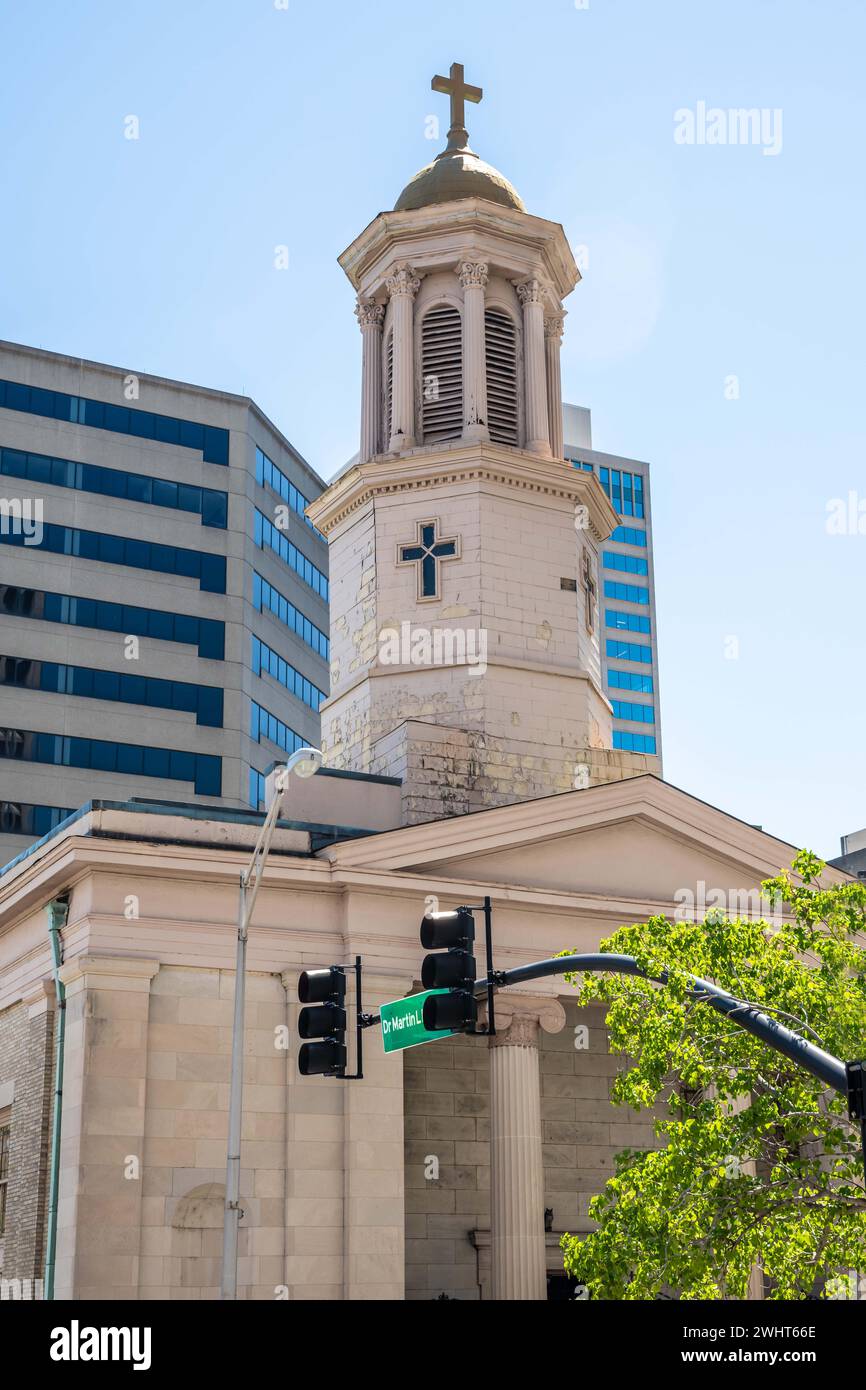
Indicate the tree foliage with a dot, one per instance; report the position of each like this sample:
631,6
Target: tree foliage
758,1164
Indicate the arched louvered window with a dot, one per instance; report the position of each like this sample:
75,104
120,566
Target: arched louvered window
388,390
501,344
441,374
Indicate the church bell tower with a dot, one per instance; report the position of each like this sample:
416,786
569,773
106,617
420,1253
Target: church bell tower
464,549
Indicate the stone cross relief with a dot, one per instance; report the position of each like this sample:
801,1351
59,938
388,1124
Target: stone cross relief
427,552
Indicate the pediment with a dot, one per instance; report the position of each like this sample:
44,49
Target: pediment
642,840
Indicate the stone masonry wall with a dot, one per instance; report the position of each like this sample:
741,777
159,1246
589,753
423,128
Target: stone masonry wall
446,1087
26,1076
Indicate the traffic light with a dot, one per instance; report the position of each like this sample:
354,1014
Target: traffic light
452,936
325,991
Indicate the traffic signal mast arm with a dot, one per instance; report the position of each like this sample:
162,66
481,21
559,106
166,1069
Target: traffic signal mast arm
814,1059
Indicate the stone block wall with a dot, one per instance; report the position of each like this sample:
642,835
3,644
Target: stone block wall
446,1089
26,1090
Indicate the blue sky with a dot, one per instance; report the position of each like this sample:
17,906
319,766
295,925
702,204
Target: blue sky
262,126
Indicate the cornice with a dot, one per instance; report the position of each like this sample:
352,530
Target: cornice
424,468
535,668
464,220
645,799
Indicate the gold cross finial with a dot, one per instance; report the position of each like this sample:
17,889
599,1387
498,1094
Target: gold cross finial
459,92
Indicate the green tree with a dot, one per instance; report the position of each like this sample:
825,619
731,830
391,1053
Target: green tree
758,1164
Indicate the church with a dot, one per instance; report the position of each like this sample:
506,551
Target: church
468,754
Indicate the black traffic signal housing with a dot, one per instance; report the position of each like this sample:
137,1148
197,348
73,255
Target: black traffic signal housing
325,1020
451,935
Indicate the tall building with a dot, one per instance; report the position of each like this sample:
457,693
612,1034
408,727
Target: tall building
163,599
853,857
629,635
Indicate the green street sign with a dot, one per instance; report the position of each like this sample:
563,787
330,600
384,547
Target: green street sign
403,1022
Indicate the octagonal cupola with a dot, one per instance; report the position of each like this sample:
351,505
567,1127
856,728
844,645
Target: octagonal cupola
460,296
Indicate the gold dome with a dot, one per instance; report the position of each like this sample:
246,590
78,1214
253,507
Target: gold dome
458,173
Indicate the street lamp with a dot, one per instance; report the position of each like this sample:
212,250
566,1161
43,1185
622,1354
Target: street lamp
304,763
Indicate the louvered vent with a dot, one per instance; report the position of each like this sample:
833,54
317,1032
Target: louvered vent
501,341
388,390
442,374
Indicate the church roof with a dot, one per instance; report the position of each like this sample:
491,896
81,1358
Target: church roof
458,174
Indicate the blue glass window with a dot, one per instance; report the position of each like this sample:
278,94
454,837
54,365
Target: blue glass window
256,789
638,499
268,537
627,564
205,633
629,651
627,593
204,770
210,442
629,535
640,714
625,491
269,475
21,818
634,743
263,725
627,622
266,660
267,599
205,702
210,570
629,680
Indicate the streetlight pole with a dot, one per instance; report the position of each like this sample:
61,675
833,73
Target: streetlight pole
304,763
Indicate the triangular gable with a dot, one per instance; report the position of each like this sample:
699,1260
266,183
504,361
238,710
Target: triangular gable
642,839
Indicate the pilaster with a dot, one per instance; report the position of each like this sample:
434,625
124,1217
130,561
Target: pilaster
103,1126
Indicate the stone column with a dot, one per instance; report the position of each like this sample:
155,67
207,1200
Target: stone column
403,286
370,319
473,279
531,296
517,1172
552,350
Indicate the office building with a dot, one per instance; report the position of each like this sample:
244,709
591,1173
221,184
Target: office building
163,599
626,602
853,857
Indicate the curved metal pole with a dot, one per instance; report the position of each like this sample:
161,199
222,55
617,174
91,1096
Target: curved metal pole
813,1059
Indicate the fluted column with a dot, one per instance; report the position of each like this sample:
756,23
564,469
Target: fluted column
531,295
517,1173
370,319
473,278
403,287
552,352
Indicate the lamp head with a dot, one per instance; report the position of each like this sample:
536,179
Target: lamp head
305,762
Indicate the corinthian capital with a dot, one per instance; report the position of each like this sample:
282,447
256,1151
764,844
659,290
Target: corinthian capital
554,326
369,314
403,281
473,273
530,292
